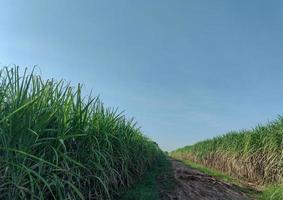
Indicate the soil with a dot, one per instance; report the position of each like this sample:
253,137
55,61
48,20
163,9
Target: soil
191,184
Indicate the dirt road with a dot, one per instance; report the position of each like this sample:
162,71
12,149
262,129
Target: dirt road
194,185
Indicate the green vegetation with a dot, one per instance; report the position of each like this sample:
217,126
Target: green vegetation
57,144
274,192
157,181
252,155
212,172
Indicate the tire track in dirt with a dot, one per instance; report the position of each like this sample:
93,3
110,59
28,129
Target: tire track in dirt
195,185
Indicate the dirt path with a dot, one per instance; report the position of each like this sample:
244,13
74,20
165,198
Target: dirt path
195,185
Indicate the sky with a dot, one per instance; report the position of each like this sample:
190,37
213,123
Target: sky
186,70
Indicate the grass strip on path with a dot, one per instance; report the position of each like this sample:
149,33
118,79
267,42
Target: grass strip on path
157,183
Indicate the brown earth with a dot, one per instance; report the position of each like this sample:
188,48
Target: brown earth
192,184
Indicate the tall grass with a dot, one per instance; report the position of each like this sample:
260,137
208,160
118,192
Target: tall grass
255,155
57,144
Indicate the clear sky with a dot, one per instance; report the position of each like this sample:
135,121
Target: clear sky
187,70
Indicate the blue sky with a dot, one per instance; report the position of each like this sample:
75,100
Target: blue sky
186,70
